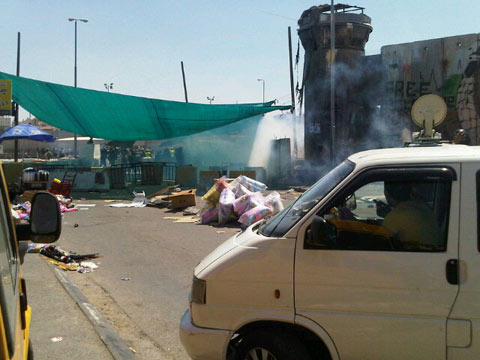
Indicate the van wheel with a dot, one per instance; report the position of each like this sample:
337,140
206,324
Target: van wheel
30,350
264,344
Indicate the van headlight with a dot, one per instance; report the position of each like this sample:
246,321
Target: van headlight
199,290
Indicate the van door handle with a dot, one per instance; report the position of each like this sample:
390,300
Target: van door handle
452,271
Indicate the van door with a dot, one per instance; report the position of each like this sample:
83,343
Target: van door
463,326
375,276
12,320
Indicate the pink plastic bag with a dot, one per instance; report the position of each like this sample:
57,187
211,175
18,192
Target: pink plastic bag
253,215
225,206
210,214
274,202
247,202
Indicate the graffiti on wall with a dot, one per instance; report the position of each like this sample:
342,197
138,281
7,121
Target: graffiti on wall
449,67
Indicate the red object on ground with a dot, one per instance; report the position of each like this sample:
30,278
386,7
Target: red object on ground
61,188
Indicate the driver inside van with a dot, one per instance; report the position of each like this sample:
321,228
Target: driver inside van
411,222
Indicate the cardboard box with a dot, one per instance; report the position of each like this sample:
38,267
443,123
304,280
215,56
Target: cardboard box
183,199
248,173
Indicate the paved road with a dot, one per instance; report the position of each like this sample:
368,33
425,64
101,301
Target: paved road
157,255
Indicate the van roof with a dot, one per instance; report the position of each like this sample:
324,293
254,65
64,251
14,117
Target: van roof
440,153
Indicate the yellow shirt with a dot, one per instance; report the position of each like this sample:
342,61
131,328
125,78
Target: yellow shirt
413,222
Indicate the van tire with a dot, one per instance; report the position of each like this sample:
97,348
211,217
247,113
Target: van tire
30,350
282,345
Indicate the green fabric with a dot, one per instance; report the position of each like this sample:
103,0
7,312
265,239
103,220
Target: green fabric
122,117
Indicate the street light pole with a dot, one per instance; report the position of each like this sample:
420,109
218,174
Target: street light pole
108,86
210,99
75,148
263,89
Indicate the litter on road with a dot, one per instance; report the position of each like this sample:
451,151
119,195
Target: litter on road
183,219
138,201
239,200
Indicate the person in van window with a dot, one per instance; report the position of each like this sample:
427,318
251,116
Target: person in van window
411,223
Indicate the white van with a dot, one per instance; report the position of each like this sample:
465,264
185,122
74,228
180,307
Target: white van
380,259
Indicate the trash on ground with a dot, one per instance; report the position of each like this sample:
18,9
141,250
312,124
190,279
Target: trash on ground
221,232
159,201
86,205
191,210
239,200
84,270
56,339
164,191
62,265
89,264
132,349
35,248
56,253
183,219
187,219
125,278
182,199
138,201
75,225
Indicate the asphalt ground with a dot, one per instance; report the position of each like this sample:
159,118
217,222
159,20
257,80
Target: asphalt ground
140,288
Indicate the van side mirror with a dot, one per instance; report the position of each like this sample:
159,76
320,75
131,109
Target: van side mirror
45,223
351,202
321,234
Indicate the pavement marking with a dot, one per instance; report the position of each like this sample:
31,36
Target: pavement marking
113,341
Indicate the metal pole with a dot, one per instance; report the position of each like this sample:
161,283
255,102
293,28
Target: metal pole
263,91
332,82
292,110
184,82
75,148
16,105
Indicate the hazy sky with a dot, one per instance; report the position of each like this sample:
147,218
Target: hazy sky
225,45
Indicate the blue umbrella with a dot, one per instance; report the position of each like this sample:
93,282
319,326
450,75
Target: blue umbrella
26,131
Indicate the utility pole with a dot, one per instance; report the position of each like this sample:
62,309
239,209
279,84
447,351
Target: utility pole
16,105
184,82
108,86
211,99
263,89
75,147
292,110
332,82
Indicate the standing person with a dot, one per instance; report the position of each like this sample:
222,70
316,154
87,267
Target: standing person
103,156
111,156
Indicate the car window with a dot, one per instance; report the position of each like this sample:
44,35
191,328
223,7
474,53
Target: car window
389,215
278,225
8,273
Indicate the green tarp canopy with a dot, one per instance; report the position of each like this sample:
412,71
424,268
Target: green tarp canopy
122,117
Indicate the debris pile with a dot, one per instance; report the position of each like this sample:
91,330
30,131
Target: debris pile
66,260
239,200
21,211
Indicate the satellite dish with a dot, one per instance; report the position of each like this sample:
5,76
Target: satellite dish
429,111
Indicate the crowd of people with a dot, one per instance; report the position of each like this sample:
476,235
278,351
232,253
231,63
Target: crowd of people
111,155
53,153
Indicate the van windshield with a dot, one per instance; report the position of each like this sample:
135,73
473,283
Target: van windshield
278,225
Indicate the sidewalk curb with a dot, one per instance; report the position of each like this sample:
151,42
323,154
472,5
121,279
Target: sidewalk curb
114,343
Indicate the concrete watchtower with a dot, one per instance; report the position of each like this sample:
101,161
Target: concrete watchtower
352,30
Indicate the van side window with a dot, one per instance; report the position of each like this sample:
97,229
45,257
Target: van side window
8,272
387,215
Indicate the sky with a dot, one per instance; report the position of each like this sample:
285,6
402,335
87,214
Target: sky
225,45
